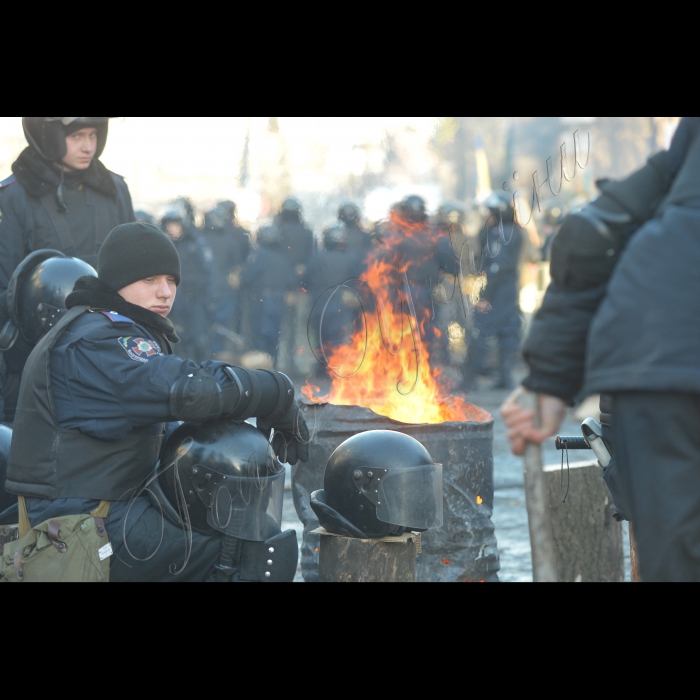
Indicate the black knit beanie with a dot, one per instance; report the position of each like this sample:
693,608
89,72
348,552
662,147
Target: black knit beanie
133,252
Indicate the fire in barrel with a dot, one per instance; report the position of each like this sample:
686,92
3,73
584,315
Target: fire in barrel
385,373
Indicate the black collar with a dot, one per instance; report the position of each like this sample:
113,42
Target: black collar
92,292
40,177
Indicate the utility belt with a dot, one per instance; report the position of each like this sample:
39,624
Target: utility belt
73,549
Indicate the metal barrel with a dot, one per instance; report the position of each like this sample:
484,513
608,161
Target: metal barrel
465,548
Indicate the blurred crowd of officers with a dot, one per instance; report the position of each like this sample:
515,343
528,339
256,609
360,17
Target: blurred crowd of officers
248,297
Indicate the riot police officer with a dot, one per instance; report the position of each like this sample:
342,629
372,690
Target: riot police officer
298,243
498,312
426,254
268,281
61,196
107,373
193,314
230,245
337,312
358,241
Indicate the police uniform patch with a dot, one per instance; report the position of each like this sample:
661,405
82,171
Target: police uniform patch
118,319
140,349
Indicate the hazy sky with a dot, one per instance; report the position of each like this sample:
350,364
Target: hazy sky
162,157
213,145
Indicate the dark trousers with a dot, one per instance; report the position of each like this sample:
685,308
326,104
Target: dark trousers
147,548
657,459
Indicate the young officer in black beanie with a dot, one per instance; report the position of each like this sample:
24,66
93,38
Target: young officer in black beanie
93,432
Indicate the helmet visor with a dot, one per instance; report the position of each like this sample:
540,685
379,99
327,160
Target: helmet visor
249,508
412,497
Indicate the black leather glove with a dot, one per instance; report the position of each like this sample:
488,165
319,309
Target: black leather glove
292,437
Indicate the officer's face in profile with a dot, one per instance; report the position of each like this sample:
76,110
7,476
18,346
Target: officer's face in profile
82,149
157,294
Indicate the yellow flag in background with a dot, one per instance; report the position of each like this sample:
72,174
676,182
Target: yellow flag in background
483,172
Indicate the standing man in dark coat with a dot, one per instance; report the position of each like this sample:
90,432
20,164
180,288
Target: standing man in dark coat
230,245
268,283
61,196
408,239
337,312
498,312
298,243
193,314
358,241
621,319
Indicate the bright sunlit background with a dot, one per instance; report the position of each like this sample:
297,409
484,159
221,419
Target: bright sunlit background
258,161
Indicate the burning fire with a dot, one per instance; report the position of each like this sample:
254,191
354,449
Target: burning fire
387,365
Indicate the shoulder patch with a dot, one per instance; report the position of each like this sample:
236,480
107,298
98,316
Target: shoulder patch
140,349
9,181
118,319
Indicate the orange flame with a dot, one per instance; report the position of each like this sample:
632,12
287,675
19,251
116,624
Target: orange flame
386,366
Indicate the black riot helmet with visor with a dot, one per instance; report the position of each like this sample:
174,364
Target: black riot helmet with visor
335,238
380,484
452,214
228,479
47,135
37,293
270,238
349,214
501,205
291,212
413,209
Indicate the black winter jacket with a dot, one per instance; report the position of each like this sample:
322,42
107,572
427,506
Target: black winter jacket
97,200
641,331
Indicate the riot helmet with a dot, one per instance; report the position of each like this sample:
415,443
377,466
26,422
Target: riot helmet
36,296
413,209
228,209
6,500
172,214
221,216
47,135
214,220
227,477
452,214
349,214
380,484
270,237
186,208
291,211
335,238
144,217
501,205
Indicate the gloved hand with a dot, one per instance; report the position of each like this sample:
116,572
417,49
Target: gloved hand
292,437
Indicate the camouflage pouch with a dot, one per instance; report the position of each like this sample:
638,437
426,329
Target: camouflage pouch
8,534
66,550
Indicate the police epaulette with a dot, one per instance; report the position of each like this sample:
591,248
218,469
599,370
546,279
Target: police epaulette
9,181
118,319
